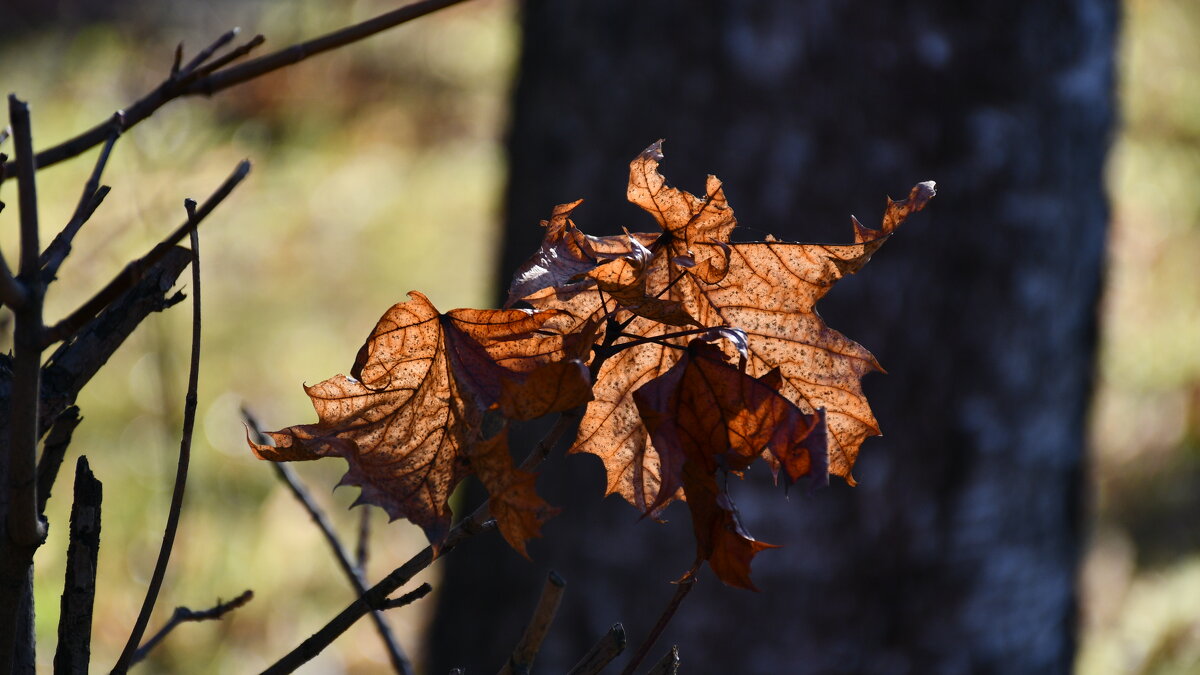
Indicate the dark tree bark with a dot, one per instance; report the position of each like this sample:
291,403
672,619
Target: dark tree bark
957,552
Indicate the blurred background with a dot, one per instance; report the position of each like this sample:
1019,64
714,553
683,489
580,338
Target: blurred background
381,168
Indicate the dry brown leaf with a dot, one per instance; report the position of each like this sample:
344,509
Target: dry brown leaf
421,384
768,289
512,499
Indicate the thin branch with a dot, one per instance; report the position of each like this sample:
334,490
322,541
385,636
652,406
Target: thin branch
214,81
183,615
181,471
79,590
668,664
53,452
376,596
396,655
408,598
206,53
60,247
25,530
361,551
539,624
682,588
602,653
230,56
134,271
75,362
658,338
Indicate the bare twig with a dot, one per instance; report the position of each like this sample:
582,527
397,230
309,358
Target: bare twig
208,51
25,530
399,660
133,271
183,615
181,471
602,653
682,588
76,361
361,552
230,56
539,624
60,247
79,590
668,664
53,452
408,598
214,81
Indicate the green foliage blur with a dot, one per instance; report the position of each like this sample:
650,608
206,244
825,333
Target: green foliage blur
377,170
1141,581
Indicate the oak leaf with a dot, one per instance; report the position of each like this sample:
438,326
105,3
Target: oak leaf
414,406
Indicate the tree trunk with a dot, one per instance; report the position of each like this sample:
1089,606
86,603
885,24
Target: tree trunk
958,551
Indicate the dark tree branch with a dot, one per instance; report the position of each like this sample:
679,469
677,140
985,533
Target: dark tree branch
526,650
667,665
75,362
361,552
134,271
602,653
58,250
682,588
53,452
183,614
230,56
206,53
408,598
79,590
376,596
24,530
399,660
181,473
210,81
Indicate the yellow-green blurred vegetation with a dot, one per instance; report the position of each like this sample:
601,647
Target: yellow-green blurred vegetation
1141,581
377,169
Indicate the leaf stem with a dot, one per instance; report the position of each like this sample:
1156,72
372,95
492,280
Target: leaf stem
658,339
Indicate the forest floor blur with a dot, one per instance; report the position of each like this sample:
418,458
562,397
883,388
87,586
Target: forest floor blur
379,169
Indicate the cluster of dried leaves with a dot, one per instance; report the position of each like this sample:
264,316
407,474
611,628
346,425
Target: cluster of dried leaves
695,356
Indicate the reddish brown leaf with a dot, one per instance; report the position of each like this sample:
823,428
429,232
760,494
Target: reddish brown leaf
720,538
704,410
512,500
704,416
422,382
552,388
